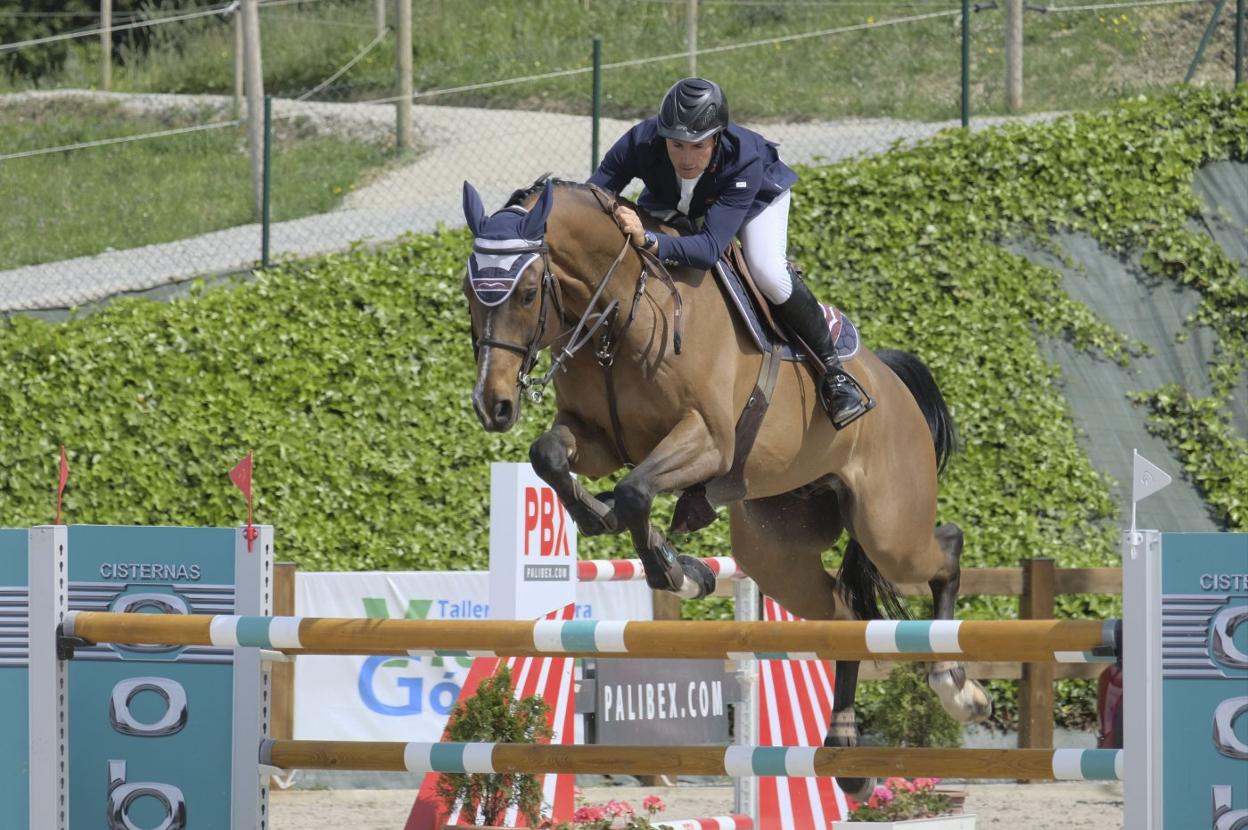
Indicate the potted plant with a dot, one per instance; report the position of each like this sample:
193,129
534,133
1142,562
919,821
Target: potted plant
899,803
494,714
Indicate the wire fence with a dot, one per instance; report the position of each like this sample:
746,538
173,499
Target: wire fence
150,185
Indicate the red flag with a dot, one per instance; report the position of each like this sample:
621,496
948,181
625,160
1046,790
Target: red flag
241,476
60,490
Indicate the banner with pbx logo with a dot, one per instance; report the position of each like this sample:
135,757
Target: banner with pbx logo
532,546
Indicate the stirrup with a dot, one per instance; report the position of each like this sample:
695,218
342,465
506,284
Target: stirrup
866,402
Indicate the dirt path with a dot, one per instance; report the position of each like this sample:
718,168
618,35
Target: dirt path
1040,806
499,150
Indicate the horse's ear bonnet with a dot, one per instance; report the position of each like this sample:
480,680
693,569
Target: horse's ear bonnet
474,211
504,245
534,225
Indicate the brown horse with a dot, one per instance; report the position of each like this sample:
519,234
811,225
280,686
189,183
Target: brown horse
552,270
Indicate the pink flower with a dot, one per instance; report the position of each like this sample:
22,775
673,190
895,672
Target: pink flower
653,804
926,784
899,785
882,794
619,808
592,812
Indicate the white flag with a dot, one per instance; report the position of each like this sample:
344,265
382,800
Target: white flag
1147,479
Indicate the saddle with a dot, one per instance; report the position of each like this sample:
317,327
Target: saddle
752,308
754,311
694,509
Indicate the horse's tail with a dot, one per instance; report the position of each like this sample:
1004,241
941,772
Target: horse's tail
871,595
866,587
918,379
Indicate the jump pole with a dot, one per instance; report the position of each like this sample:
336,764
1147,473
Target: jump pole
1062,641
735,760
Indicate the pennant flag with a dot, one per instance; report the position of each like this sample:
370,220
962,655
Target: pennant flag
60,490
1147,478
241,476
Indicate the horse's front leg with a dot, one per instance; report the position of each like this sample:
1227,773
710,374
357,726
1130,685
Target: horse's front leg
688,455
552,455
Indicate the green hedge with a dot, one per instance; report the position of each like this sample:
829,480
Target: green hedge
350,375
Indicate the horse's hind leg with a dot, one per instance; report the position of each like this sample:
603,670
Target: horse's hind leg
778,542
962,697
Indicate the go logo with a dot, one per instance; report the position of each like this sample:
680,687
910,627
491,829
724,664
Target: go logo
417,694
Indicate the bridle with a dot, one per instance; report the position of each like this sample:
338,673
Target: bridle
550,288
582,333
586,327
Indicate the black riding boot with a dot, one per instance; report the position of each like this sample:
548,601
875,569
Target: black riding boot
842,397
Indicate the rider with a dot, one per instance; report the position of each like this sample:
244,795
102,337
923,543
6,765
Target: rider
729,181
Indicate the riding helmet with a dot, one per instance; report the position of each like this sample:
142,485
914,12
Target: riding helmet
692,110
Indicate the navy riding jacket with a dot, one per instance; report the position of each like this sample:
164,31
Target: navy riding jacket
744,176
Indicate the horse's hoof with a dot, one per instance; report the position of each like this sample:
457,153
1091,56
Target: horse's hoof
859,789
843,732
700,581
662,566
964,699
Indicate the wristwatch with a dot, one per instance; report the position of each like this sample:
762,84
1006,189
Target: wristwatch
650,240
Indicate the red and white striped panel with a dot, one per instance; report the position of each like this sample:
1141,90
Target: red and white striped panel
551,677
712,823
631,570
795,706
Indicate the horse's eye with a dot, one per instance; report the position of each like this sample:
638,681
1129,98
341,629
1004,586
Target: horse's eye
529,295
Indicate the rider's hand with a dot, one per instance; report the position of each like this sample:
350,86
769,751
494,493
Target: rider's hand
630,224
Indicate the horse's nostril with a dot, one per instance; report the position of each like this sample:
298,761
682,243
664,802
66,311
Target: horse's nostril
502,413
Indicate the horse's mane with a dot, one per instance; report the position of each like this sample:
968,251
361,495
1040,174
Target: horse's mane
546,180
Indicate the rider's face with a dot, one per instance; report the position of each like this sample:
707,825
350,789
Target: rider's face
690,159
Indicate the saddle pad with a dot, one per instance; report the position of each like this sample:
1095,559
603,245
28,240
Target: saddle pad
844,332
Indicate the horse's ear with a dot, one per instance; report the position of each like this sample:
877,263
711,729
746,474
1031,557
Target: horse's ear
474,211
534,225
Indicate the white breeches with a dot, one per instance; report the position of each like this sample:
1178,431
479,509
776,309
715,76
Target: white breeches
765,241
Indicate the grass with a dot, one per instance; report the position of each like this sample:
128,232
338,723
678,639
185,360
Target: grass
139,193
1072,60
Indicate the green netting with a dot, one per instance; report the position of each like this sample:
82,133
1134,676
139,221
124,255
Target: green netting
1154,312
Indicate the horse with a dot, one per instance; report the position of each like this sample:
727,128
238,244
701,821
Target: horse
552,271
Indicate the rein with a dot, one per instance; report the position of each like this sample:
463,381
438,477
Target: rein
590,323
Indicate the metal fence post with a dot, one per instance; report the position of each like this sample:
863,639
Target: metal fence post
1204,40
691,36
268,181
597,103
1239,42
966,63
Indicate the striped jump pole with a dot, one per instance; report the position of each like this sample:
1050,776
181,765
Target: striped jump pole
631,570
1062,641
735,760
708,823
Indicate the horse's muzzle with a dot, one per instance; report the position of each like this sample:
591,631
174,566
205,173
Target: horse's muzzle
498,416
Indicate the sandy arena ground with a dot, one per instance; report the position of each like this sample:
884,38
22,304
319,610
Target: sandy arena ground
1039,806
